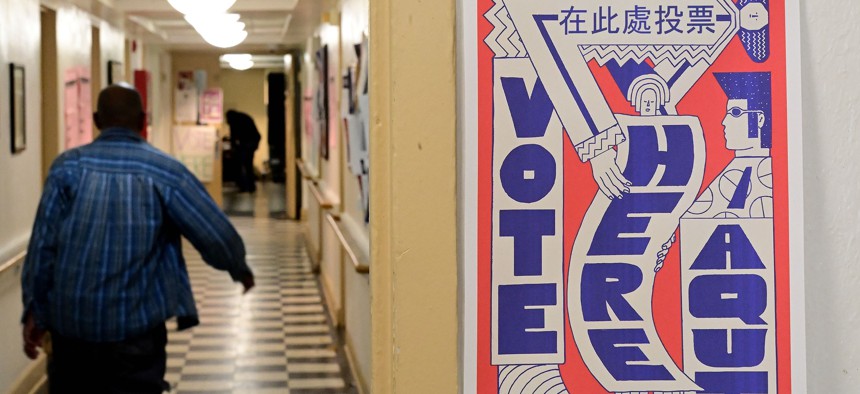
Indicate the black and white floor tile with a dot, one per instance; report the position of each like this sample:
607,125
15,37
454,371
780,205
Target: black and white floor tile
275,339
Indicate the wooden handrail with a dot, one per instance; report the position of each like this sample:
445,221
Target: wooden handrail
349,244
315,190
303,169
9,264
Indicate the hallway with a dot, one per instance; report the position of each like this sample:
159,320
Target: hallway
275,339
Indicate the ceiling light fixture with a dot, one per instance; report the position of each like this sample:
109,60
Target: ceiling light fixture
196,6
224,39
238,61
209,20
242,65
213,23
222,31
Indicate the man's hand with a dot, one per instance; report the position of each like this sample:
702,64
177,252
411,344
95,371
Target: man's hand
33,337
608,176
247,282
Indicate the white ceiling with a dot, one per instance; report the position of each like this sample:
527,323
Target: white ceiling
273,26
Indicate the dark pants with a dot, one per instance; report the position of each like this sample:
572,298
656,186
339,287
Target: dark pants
245,161
135,365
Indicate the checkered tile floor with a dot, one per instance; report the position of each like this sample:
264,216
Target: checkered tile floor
276,339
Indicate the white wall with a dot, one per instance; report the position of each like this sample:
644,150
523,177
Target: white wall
112,45
831,110
19,174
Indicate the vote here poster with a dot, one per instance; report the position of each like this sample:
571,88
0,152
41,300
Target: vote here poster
631,196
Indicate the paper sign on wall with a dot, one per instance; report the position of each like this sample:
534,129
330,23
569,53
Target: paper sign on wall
628,217
185,98
212,106
195,147
77,107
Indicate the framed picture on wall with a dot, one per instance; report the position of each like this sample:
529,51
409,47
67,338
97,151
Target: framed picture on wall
17,98
321,99
116,73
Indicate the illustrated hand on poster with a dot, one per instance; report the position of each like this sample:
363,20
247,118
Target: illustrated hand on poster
608,176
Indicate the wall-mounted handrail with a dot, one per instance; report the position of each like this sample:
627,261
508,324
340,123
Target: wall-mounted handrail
11,263
349,244
304,170
321,200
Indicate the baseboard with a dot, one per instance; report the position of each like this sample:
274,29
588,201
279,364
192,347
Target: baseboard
353,366
34,379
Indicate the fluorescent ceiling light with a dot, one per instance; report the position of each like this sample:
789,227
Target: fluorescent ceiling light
260,61
199,6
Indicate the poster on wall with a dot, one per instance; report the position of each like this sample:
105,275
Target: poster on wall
311,149
195,147
185,98
77,107
355,111
321,99
212,106
632,197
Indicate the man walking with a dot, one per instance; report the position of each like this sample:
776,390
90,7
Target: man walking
244,140
104,268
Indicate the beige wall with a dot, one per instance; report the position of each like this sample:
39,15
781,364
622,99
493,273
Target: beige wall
243,91
413,200
19,43
190,61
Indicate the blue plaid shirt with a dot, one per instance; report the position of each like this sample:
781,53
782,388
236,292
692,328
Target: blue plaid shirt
105,258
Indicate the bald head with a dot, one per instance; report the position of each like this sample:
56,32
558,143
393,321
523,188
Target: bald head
119,106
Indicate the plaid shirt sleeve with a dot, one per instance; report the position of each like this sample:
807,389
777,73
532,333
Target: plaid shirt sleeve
37,274
202,222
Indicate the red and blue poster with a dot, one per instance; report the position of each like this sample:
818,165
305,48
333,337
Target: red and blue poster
632,196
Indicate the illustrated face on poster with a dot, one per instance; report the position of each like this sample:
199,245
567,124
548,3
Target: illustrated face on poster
632,226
